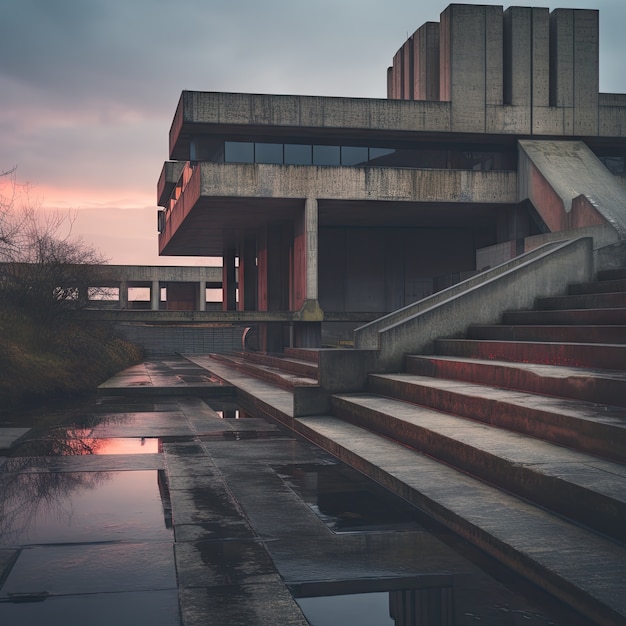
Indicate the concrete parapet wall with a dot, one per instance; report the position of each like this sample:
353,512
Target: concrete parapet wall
601,234
479,300
163,340
163,273
359,183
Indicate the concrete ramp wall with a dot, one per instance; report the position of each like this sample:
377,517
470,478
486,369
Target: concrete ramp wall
546,271
570,187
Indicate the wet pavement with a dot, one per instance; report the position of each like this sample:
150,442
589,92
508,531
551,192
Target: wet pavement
174,510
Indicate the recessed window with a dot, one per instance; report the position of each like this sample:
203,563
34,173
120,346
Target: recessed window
326,155
239,152
298,154
268,153
353,156
376,153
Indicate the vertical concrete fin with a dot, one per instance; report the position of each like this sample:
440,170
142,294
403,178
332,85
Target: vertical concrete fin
408,71
540,57
426,62
586,72
562,58
494,88
517,70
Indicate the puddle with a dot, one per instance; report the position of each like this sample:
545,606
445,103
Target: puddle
70,507
416,601
346,501
371,609
411,601
73,442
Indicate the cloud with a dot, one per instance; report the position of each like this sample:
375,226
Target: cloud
88,88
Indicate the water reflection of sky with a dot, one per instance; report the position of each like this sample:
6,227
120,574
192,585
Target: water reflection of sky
364,609
44,508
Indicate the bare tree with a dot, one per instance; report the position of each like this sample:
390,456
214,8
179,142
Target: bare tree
44,269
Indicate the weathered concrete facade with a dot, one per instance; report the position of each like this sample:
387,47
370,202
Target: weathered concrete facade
494,136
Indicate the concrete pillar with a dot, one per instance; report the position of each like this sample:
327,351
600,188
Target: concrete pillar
123,297
312,248
262,302
229,286
202,295
155,295
248,275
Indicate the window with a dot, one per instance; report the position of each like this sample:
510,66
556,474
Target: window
268,153
298,154
239,152
353,156
326,155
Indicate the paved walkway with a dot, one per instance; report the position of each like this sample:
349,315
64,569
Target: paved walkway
223,521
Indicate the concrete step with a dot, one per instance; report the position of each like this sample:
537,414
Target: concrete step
583,488
614,274
583,301
275,376
550,333
594,428
591,385
599,286
285,363
550,551
303,354
609,316
600,355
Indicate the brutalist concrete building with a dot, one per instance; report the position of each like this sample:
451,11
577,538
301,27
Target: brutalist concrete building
330,212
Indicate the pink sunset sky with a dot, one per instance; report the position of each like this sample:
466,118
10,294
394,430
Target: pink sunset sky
88,89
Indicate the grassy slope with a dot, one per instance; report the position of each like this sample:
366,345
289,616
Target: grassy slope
38,361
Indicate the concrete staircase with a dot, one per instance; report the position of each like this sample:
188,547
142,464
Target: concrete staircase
293,368
514,437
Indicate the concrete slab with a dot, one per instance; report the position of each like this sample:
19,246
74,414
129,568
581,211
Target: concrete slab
265,604
172,377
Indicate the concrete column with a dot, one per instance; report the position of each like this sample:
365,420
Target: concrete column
247,276
262,271
155,295
123,298
202,295
312,248
229,285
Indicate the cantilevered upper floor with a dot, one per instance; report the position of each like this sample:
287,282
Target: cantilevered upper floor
335,199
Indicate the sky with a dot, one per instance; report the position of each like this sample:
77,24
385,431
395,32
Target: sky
88,88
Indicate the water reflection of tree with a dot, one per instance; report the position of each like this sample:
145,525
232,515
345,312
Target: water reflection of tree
29,495
71,439
29,486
